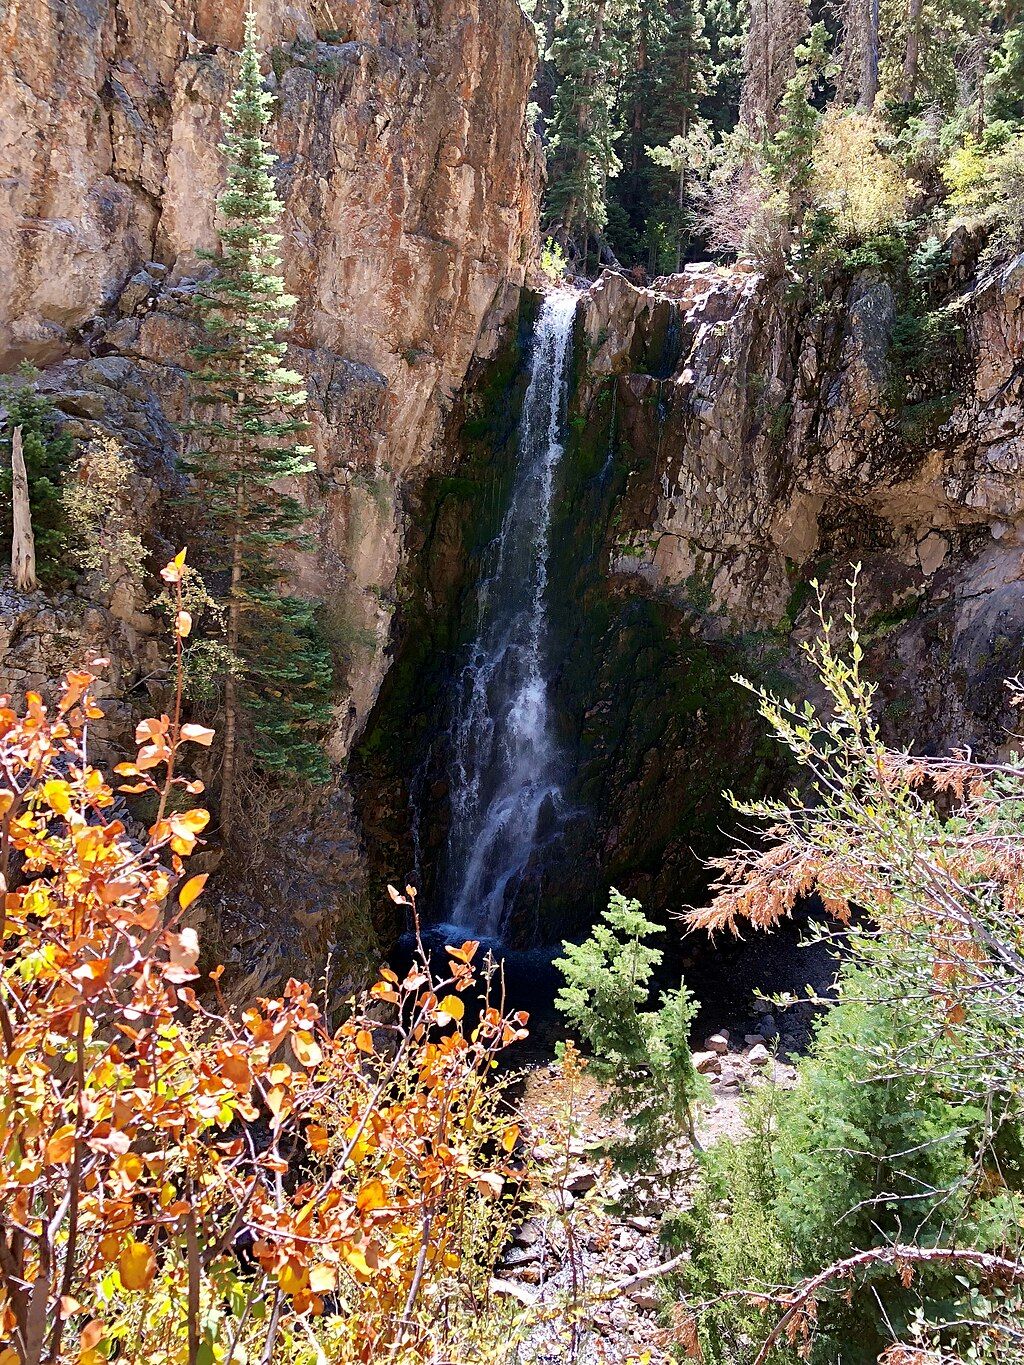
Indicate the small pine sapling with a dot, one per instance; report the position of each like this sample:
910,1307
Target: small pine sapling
642,1055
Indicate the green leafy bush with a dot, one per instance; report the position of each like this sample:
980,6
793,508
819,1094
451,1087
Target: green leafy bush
905,1129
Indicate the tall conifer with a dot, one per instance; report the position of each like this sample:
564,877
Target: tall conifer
582,126
247,443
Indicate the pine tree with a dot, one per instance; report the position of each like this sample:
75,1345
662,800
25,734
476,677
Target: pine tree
681,137
583,130
246,445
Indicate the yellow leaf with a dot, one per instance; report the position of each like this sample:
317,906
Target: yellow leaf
357,1261
171,573
137,1265
131,1166
510,1137
191,890
453,1007
306,1048
57,795
292,1277
322,1279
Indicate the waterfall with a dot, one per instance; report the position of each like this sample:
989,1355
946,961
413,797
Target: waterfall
504,779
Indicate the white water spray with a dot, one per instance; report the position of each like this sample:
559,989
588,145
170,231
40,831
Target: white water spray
504,775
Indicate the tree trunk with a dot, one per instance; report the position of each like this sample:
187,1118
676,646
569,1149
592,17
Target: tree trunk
869,57
687,84
227,782
912,54
23,545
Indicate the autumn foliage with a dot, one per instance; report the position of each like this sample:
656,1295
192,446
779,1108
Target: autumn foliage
182,1181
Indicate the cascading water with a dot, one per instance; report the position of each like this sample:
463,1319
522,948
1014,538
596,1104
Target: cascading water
505,772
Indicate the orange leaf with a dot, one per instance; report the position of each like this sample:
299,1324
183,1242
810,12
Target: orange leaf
372,1196
183,950
364,1040
91,1335
317,1138
198,734
510,1137
137,1265
61,1146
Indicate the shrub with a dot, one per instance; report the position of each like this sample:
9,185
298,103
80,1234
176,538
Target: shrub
181,1181
1009,189
854,178
553,261
99,516
967,173
897,1160
643,1055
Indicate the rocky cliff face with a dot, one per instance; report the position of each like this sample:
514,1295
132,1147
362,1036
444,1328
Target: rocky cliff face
409,181
784,441
727,444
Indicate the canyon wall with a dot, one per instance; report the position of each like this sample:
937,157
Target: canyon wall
730,441
409,179
782,440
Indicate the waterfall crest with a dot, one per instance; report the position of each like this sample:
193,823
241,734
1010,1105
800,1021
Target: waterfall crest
505,770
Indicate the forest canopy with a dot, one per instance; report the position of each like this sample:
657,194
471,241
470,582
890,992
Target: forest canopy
679,128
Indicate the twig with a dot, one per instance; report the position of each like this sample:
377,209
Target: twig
980,1260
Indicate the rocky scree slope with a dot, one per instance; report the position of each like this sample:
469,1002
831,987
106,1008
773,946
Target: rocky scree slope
410,189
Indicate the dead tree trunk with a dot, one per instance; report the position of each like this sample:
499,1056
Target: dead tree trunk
23,545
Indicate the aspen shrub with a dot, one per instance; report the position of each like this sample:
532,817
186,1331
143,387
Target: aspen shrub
180,1181
99,513
854,178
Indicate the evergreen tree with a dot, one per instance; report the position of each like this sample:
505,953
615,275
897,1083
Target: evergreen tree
682,139
583,130
643,1055
247,444
47,457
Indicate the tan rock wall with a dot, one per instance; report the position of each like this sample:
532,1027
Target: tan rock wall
770,448
410,185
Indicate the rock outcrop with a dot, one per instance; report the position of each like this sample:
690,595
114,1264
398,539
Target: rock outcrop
782,442
409,181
